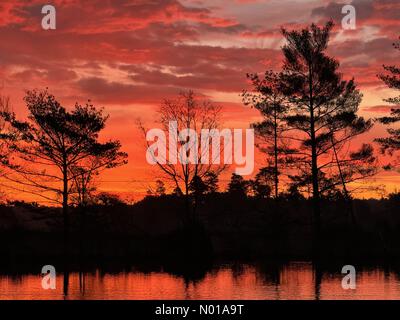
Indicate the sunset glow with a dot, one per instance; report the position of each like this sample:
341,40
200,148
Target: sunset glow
126,56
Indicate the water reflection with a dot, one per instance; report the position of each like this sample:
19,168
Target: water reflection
295,280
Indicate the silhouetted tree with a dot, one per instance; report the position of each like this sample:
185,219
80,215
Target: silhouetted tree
83,184
391,78
261,185
53,142
210,179
83,187
293,193
197,187
268,98
177,192
4,150
323,110
188,112
238,186
206,185
160,188
108,200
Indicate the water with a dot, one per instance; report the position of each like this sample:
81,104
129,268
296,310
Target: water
295,280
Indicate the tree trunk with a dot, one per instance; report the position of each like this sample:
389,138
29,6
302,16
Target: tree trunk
187,203
65,211
315,184
66,281
314,175
276,154
348,200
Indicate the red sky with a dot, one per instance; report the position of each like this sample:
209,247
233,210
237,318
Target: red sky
126,55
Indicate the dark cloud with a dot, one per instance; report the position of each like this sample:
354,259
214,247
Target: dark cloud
380,109
105,91
367,11
153,44
333,10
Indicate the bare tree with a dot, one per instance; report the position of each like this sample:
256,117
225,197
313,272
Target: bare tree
159,189
4,149
188,112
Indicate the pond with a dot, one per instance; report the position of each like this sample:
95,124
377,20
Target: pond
293,280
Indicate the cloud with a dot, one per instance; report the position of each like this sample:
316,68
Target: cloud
104,91
99,16
368,12
380,108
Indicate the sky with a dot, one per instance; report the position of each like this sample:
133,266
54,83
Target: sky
127,55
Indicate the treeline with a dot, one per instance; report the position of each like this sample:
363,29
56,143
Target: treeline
232,227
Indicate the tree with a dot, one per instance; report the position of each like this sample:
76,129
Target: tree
323,111
108,200
211,181
187,111
51,145
177,192
268,98
293,193
391,78
160,188
263,181
83,187
197,187
84,173
4,150
206,185
238,186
